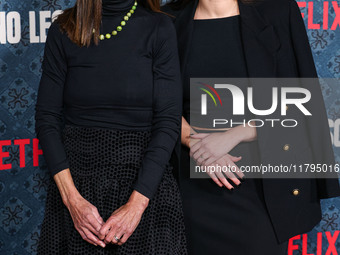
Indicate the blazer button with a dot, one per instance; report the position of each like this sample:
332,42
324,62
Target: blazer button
286,147
296,192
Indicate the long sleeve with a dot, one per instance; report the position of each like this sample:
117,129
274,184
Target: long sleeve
49,106
318,129
167,107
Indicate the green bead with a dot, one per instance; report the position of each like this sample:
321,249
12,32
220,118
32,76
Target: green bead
133,7
123,23
101,37
114,32
108,36
126,18
119,28
128,14
132,11
135,3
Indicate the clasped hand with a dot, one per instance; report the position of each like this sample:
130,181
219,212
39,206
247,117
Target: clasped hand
118,227
212,149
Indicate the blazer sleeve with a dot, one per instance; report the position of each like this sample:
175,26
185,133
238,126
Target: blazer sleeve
49,106
167,109
317,124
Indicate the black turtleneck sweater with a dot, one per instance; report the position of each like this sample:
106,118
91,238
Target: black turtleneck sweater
128,82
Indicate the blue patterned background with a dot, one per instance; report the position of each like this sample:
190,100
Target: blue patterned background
23,189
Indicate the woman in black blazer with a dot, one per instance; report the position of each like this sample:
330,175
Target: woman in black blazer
250,39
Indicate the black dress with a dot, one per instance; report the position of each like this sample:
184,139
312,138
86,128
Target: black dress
111,114
220,221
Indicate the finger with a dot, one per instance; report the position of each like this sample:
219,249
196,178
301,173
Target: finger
209,161
237,171
81,232
98,217
224,181
201,159
199,136
195,147
92,222
230,173
235,159
125,237
108,225
119,234
104,229
113,230
91,237
199,153
110,237
91,228
215,179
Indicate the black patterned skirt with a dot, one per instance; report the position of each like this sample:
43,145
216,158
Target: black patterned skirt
104,164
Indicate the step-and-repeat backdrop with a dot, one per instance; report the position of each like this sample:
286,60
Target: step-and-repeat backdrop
23,172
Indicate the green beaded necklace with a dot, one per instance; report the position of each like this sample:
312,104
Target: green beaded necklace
122,24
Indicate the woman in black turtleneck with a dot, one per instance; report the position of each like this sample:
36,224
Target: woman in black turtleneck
108,117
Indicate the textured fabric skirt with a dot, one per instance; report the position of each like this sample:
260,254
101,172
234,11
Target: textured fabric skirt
104,164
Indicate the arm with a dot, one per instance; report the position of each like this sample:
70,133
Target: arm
213,146
49,119
49,106
167,106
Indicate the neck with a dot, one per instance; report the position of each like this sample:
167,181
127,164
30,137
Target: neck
210,9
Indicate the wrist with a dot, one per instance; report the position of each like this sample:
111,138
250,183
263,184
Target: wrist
71,197
138,201
234,136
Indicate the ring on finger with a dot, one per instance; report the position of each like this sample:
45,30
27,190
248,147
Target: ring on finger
116,238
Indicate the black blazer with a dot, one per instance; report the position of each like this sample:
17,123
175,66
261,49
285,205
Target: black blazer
275,44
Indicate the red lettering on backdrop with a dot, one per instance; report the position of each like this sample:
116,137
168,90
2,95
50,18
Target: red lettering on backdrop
291,246
337,15
304,245
319,244
4,154
36,152
311,25
22,143
330,244
331,241
325,17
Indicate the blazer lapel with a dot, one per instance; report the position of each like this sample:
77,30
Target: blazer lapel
260,43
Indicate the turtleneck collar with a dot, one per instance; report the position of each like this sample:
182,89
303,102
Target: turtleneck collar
114,7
